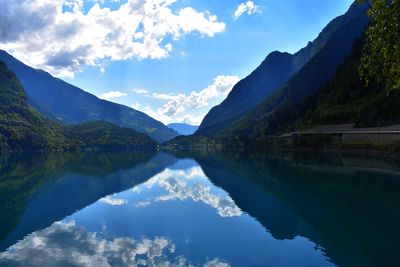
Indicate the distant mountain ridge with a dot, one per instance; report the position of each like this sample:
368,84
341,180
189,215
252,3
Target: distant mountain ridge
68,104
277,69
183,128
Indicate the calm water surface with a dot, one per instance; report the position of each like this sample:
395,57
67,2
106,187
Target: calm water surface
198,209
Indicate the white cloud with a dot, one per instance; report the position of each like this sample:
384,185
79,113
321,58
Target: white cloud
180,107
140,91
136,105
113,201
60,37
167,96
192,119
247,7
112,95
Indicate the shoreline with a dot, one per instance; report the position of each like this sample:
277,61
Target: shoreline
388,151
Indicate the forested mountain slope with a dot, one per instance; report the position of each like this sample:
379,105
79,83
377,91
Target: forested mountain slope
24,129
67,104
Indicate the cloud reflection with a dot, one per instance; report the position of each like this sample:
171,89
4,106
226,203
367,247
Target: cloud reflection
142,204
113,201
65,243
189,184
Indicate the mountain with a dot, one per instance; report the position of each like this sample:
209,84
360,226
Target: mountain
265,119
278,68
24,129
183,128
21,127
67,104
344,99
105,135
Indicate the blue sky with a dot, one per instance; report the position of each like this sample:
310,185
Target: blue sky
173,59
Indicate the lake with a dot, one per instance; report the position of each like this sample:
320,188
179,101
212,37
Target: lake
198,208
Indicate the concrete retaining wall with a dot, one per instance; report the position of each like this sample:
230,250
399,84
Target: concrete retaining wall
383,138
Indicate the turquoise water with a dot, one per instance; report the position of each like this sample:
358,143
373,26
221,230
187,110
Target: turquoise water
198,209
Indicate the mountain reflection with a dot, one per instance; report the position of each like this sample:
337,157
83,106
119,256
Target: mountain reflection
39,189
177,217
347,204
245,208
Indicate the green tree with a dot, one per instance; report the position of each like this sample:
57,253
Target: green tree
381,57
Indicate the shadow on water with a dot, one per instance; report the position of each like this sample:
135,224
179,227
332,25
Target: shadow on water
38,189
347,204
